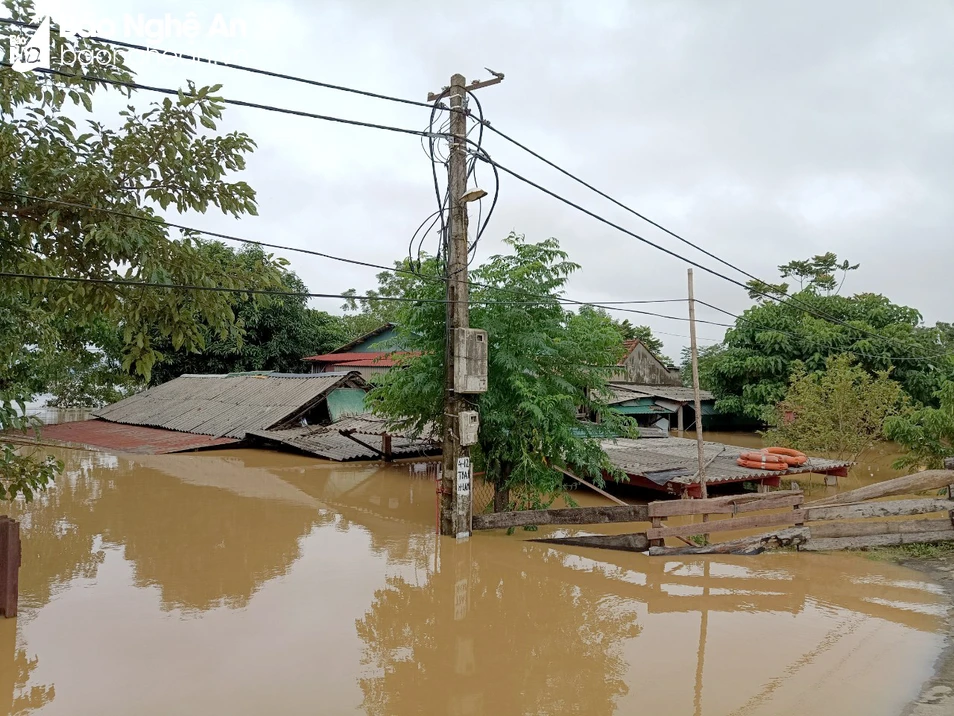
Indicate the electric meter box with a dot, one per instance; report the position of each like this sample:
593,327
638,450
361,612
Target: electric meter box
470,364
469,425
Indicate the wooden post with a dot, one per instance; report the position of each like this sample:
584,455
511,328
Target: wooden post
949,465
695,389
9,566
681,420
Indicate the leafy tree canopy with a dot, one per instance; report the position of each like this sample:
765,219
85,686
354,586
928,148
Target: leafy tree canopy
166,156
545,364
750,372
277,331
927,434
838,411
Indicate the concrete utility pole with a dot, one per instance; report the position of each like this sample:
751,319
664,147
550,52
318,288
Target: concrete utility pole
456,479
695,387
455,508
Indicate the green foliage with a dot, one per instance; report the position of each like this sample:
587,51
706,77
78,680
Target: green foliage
818,272
545,365
167,156
276,331
749,373
927,434
838,411
366,314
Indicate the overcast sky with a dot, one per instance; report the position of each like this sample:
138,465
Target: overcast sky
762,131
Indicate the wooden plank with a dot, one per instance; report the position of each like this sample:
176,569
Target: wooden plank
837,543
634,542
565,516
927,480
770,501
746,545
893,508
863,529
750,496
728,525
586,483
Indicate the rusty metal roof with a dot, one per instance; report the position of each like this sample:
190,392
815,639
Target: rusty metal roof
226,405
676,460
99,434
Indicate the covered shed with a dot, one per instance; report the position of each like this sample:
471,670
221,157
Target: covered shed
671,465
660,406
233,405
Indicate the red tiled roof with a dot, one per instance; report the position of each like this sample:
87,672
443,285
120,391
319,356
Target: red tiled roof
129,438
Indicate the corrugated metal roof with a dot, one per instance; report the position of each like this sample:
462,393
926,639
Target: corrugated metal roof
129,438
621,392
225,405
677,460
329,443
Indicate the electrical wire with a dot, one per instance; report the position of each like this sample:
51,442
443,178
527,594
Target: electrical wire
295,294
224,100
610,305
707,269
786,297
810,341
233,66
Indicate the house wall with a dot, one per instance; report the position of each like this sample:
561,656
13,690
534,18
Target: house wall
382,342
642,367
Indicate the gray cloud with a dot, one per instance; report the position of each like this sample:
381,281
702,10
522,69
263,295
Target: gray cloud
762,131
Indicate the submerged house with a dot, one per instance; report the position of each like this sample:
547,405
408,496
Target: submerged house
373,353
195,412
640,365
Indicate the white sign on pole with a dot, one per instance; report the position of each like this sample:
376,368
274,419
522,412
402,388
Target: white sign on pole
463,477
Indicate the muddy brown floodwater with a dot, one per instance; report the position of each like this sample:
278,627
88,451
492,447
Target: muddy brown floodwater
245,582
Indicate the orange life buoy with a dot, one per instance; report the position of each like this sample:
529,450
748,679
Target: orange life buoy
789,456
761,464
756,456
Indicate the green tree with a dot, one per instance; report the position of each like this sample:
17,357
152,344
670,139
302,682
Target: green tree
750,373
927,433
167,156
545,364
839,411
277,331
363,315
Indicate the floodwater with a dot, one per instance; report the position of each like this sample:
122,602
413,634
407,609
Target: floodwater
248,582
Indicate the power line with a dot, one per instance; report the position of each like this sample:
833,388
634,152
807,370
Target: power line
242,68
294,294
609,305
234,102
707,269
431,135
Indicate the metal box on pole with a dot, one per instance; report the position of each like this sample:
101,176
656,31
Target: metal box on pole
470,364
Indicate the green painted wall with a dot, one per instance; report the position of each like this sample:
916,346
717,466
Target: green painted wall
387,341
343,402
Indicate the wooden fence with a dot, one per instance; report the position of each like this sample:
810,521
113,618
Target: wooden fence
811,526
9,566
815,526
